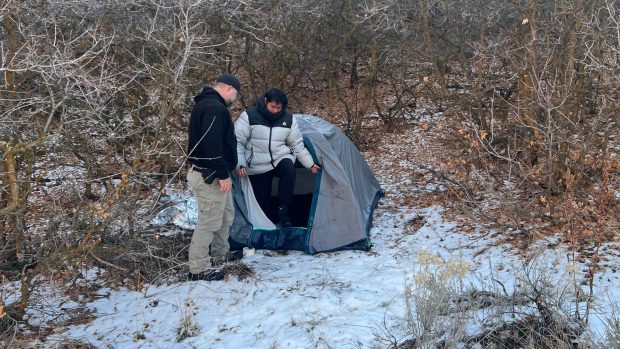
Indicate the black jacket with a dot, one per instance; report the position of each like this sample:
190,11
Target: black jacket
212,144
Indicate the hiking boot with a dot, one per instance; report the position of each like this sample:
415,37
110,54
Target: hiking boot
283,219
231,256
207,275
234,255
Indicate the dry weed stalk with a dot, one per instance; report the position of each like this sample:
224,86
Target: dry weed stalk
187,327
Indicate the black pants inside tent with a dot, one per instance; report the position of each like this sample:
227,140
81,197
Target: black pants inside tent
261,184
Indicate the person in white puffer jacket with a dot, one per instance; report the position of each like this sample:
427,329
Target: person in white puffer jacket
268,142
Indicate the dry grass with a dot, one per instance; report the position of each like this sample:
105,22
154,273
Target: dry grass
238,269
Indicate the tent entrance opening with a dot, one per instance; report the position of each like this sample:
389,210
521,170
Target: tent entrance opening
299,211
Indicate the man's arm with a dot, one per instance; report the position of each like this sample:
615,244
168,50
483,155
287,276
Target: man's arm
295,140
213,142
242,133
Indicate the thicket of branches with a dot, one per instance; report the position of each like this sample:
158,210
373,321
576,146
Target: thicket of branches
103,88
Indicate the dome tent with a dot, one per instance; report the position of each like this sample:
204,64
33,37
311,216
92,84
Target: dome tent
331,210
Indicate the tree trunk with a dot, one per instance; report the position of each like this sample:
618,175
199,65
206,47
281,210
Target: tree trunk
15,200
430,51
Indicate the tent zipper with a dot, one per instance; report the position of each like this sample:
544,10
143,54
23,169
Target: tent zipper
270,153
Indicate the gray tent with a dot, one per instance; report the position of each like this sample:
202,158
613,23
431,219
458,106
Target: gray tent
331,210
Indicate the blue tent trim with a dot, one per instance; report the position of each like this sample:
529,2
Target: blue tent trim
375,203
279,239
297,238
315,195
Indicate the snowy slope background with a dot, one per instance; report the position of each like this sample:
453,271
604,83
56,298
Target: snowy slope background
345,299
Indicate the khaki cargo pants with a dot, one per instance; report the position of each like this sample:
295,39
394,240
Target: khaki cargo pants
215,216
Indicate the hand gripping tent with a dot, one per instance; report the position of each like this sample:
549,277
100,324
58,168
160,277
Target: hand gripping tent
331,210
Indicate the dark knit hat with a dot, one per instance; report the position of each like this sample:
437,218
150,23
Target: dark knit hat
230,79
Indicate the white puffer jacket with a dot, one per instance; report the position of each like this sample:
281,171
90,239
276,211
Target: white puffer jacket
262,142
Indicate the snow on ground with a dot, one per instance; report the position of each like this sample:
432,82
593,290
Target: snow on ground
345,299
339,300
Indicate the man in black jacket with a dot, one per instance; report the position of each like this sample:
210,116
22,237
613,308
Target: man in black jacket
212,156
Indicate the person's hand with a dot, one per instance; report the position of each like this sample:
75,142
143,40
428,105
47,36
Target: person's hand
225,185
241,171
315,168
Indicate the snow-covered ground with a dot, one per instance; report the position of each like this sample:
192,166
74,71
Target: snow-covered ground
345,299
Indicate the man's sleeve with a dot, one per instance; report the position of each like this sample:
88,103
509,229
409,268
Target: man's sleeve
242,133
213,142
295,140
